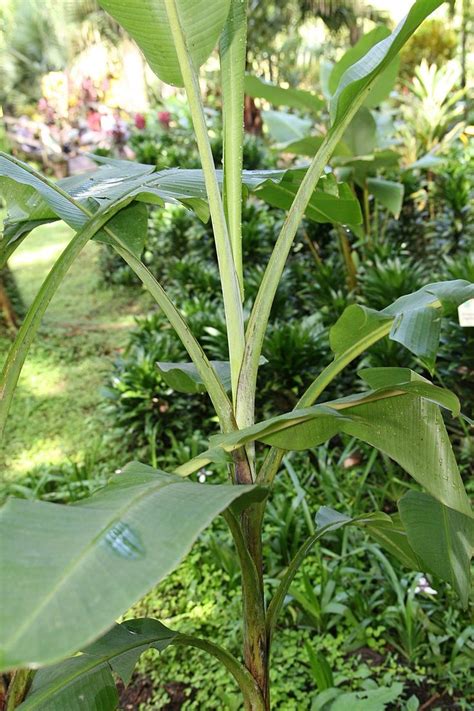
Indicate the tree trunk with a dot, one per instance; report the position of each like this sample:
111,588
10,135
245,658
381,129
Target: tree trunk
11,303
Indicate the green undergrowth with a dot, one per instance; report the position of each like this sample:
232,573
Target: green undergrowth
378,631
54,417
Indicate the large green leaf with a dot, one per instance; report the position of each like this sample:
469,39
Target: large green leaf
330,202
373,699
310,145
184,377
73,685
401,419
442,537
147,22
86,681
281,96
388,193
413,320
118,179
361,76
33,200
69,571
384,83
284,127
361,134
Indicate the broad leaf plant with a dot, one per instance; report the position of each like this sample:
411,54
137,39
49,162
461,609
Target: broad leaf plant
69,572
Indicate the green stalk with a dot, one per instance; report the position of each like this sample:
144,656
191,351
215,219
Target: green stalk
214,387
366,205
260,314
250,691
233,48
18,688
21,345
320,383
278,599
228,274
351,270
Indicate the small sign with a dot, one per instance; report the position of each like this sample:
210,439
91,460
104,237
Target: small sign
466,313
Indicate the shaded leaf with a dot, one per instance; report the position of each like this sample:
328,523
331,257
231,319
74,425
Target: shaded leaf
399,420
366,700
361,134
284,127
86,682
125,538
280,96
387,530
388,193
442,537
413,320
130,225
341,208
73,685
310,145
184,377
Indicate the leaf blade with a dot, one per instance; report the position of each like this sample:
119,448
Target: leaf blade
147,22
109,538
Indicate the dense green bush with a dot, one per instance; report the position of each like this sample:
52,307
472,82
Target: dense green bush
434,42
173,146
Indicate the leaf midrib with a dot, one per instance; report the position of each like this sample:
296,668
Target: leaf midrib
76,562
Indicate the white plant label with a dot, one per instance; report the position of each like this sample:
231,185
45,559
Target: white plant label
466,313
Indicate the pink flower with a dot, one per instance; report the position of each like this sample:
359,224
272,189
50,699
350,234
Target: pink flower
164,117
140,121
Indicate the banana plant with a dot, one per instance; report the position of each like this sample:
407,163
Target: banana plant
69,572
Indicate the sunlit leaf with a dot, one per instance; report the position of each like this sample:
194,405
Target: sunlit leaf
385,82
361,76
147,22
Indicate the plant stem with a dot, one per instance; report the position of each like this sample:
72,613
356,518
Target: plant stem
250,691
278,599
256,650
366,205
320,383
214,387
228,274
233,47
260,314
351,271
18,688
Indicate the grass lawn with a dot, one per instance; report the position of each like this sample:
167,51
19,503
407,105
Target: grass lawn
54,413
